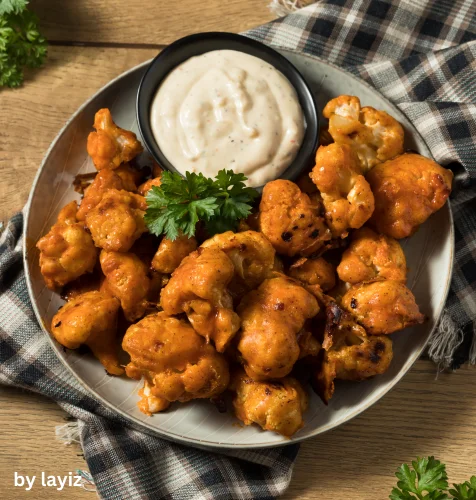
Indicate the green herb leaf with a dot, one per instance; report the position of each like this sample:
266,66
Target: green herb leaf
465,491
179,203
21,44
427,480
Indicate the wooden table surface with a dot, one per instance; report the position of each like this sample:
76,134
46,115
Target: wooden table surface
94,41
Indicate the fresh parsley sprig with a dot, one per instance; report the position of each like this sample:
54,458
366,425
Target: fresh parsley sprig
179,203
427,479
21,44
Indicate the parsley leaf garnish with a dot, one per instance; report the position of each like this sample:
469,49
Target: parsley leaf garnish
465,491
179,203
21,44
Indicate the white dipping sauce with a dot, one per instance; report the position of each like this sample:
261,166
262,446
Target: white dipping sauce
228,109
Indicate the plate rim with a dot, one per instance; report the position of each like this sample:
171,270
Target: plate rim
142,425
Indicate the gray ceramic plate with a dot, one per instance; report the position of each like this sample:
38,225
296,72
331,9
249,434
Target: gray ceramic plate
429,254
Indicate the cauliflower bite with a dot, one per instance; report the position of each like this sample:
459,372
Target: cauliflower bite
372,256
117,220
346,195
111,145
382,307
271,319
176,363
290,220
104,180
67,251
275,406
251,253
90,319
314,272
407,191
198,288
126,279
130,177
374,135
144,188
349,353
171,253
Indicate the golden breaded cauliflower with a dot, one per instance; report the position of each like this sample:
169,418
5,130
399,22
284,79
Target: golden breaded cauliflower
275,406
111,145
175,362
290,220
126,279
382,307
346,195
348,353
251,253
271,319
407,191
315,271
90,319
67,251
198,288
117,220
374,135
144,188
372,256
171,253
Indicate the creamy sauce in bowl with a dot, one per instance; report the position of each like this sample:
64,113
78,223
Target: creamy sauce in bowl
228,109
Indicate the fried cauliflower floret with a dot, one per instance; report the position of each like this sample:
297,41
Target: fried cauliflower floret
111,145
67,251
198,288
126,279
346,195
290,220
144,188
251,253
271,318
104,180
349,353
175,362
407,190
382,307
171,253
117,220
314,272
130,177
372,256
90,319
275,406
374,135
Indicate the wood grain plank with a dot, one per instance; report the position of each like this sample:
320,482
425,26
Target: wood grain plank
32,115
421,416
145,21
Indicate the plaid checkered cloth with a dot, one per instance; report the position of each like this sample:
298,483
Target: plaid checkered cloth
419,54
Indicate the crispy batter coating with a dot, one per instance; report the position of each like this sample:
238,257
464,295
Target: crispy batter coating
86,283
117,220
171,253
275,406
111,145
407,190
198,288
382,307
67,251
251,253
176,363
90,319
346,195
126,279
372,256
374,135
130,177
271,318
105,179
349,353
144,188
315,271
290,220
